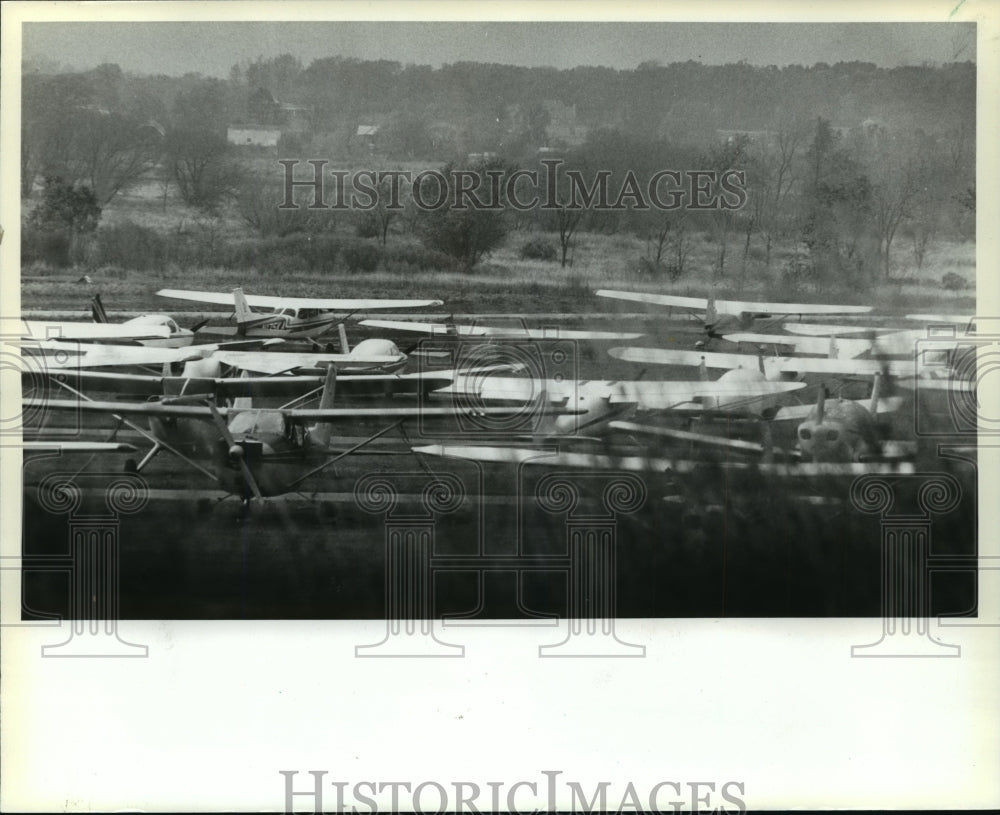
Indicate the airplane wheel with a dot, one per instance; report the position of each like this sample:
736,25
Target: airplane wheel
131,466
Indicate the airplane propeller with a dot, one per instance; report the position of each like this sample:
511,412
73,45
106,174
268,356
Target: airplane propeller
236,451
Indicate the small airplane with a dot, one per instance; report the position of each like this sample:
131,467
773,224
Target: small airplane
285,316
841,430
497,332
594,401
178,337
254,452
720,315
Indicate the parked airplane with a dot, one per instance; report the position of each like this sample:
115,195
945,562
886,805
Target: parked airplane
719,315
254,452
177,338
497,332
594,401
286,316
841,430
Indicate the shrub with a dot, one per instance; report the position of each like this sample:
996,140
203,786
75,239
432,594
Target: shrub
954,282
360,257
401,258
131,246
46,246
538,249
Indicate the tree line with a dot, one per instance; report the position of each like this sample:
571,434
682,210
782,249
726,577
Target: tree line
851,198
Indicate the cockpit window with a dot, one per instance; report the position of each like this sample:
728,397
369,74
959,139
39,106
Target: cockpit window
308,313
256,423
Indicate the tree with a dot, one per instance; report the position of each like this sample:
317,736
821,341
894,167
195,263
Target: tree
65,213
200,164
465,234
65,206
110,151
837,206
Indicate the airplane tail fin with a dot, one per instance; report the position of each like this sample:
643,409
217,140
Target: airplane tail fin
321,431
243,313
97,312
711,314
344,347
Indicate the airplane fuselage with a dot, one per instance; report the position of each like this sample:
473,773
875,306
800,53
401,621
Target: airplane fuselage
843,431
280,323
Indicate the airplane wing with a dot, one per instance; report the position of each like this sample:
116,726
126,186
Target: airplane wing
705,439
511,389
170,410
694,303
750,307
90,332
817,330
447,329
78,447
774,367
63,355
276,362
942,318
736,307
590,461
266,301
843,349
799,413
669,356
666,395
552,458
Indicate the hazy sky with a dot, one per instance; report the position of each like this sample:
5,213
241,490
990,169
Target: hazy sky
212,48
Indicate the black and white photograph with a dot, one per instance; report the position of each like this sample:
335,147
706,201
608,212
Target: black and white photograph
627,375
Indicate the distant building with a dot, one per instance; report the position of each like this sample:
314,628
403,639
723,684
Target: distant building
368,135
478,158
253,135
730,137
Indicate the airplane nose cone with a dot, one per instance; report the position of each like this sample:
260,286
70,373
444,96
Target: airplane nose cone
236,452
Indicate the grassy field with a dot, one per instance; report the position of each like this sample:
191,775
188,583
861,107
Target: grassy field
502,282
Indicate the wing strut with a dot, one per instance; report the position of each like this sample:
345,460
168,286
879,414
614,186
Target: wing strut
347,452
